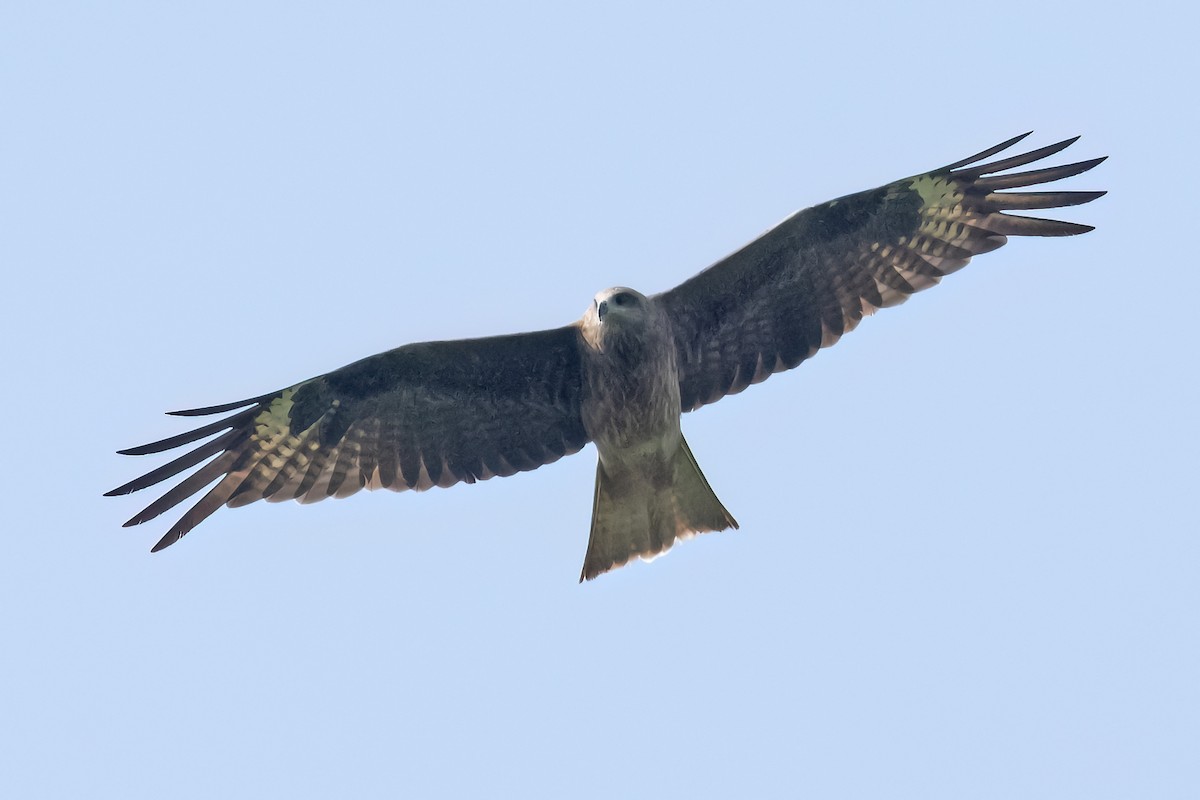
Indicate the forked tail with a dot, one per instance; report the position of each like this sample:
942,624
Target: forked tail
631,517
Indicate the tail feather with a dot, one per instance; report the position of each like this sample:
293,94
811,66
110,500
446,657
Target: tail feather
632,517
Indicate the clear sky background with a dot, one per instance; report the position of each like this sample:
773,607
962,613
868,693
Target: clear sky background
968,558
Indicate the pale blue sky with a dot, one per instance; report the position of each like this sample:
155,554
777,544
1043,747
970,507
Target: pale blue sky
968,558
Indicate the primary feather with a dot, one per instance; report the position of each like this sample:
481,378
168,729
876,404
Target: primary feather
812,278
422,415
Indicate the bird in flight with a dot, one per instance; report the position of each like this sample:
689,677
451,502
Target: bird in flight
441,413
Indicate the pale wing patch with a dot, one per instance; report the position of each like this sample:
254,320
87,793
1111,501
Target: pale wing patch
275,445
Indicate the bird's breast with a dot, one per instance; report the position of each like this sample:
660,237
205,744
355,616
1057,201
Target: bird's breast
630,406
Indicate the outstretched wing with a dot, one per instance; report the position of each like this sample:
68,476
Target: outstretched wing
430,414
813,277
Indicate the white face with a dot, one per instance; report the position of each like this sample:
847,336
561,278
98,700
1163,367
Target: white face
618,303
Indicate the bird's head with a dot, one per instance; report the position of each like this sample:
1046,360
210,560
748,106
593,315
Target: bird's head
619,306
615,311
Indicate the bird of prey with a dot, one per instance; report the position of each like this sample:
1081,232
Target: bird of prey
440,413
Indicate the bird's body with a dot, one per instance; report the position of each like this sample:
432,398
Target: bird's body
439,413
649,491
630,400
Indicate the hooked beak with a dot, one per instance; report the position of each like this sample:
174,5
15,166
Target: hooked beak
601,310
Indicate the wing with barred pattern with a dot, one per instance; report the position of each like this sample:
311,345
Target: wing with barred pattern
422,415
812,278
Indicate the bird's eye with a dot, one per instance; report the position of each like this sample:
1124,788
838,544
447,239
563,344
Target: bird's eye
623,299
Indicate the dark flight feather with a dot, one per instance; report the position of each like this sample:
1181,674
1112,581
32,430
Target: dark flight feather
811,279
423,415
